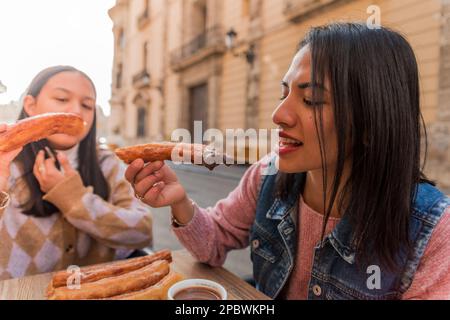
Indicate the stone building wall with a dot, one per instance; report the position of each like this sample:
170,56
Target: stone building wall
438,162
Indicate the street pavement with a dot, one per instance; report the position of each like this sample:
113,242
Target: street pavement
205,188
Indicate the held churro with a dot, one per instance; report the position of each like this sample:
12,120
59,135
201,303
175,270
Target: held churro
195,153
40,127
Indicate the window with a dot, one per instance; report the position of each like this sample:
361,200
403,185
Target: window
119,76
245,8
144,17
121,39
199,18
144,55
142,122
147,8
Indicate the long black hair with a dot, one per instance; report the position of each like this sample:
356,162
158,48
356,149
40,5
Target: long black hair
88,167
375,90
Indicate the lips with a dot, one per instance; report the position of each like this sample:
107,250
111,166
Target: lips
288,140
288,144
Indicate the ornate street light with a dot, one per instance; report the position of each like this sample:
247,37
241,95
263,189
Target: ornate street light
230,43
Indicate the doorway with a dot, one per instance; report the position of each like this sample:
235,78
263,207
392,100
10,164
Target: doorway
198,106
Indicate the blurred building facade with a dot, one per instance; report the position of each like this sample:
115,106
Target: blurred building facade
9,112
172,64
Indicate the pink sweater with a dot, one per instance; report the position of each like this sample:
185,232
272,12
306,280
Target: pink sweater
214,231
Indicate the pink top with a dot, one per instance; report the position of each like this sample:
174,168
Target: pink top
214,231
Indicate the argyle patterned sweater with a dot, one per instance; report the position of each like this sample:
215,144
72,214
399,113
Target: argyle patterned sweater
86,230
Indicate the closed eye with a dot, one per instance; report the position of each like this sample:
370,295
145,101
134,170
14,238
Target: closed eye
284,90
87,107
313,103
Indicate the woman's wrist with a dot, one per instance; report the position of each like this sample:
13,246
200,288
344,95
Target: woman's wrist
182,212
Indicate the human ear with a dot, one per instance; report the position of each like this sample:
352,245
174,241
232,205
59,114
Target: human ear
29,105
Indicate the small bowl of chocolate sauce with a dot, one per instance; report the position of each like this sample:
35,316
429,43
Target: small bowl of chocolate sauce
197,289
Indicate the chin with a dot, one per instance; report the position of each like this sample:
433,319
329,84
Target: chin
285,166
290,166
63,142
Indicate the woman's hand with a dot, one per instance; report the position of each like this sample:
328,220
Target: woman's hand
46,172
5,161
157,185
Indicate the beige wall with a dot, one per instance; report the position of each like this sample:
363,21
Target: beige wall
172,24
418,20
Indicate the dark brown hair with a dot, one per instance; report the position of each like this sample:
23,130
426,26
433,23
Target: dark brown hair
375,89
88,167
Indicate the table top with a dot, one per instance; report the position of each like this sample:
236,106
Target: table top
34,287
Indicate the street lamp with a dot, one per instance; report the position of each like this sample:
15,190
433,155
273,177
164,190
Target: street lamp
230,42
230,38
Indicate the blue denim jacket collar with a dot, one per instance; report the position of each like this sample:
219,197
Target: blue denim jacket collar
340,238
281,208
274,247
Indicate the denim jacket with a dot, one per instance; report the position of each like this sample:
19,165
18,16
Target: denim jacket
335,275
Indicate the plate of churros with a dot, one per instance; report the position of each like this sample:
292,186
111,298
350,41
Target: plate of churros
143,278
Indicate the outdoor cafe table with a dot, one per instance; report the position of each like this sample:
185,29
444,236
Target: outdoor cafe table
34,287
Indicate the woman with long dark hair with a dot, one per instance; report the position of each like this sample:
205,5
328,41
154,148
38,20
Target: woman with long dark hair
349,215
68,201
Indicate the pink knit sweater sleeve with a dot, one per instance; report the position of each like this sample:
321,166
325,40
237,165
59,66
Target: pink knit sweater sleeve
214,231
432,278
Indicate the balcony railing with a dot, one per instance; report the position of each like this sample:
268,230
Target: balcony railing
296,10
212,41
141,79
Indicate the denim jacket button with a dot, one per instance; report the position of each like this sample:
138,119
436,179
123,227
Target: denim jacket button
317,290
255,243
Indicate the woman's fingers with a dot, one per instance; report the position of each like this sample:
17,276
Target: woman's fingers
50,165
65,164
143,186
44,167
151,197
39,167
149,169
133,169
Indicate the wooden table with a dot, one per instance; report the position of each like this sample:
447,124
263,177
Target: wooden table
33,287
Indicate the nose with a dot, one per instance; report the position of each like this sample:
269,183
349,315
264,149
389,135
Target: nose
75,107
284,116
